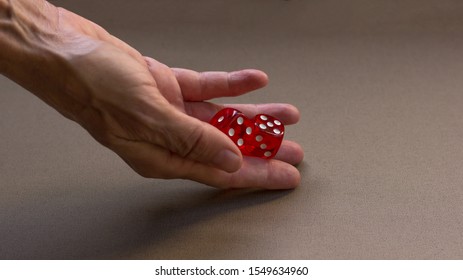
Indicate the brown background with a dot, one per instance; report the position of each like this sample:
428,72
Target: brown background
379,85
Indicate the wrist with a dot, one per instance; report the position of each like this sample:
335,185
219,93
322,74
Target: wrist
26,31
31,49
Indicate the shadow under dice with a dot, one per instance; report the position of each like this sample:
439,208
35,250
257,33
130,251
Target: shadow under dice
259,137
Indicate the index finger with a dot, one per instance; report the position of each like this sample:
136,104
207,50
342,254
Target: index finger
200,86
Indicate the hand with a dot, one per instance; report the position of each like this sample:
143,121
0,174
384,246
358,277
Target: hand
187,90
154,117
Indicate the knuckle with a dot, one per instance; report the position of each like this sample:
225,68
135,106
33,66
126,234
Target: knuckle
191,145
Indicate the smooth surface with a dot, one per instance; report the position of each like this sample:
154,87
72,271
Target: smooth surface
380,88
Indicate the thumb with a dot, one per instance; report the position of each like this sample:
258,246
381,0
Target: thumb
201,142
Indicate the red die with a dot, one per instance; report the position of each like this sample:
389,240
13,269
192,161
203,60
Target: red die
260,137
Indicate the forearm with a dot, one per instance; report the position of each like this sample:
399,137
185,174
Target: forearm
32,52
28,40
27,27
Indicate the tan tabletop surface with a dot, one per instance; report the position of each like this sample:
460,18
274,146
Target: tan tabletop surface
380,88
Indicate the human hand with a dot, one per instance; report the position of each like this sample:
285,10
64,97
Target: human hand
188,91
152,116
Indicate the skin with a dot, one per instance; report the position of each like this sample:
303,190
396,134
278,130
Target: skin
153,116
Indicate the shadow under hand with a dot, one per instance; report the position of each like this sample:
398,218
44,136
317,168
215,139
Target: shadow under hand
99,222
164,220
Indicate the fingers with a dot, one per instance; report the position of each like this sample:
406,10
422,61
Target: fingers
195,150
254,173
202,86
152,161
290,152
286,113
192,139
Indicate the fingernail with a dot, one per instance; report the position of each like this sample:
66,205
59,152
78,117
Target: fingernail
227,160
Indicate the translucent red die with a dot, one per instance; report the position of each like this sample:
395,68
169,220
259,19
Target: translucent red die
258,137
